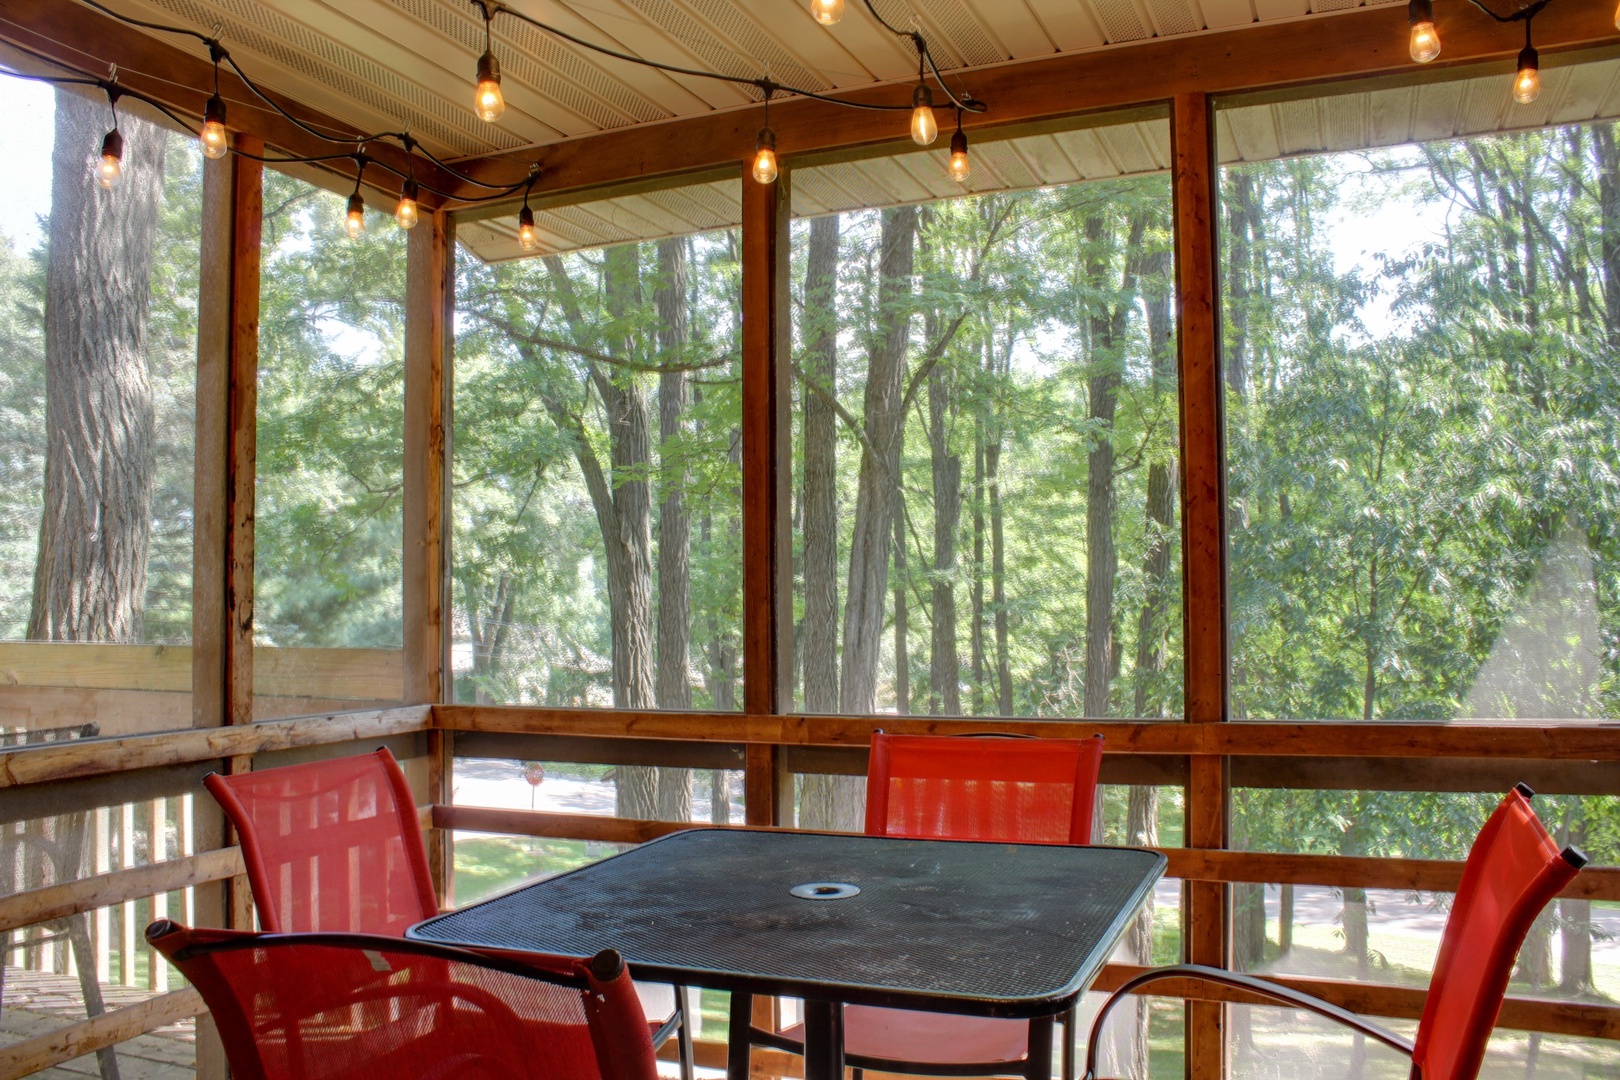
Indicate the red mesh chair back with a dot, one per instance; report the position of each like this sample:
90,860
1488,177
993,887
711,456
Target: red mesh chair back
996,788
331,845
360,1006
1513,870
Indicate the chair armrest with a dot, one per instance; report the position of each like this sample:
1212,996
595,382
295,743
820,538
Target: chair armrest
1265,988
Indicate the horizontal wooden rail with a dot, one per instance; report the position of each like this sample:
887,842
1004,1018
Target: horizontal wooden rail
96,757
1549,740
1188,864
1398,1002
87,1036
365,674
87,894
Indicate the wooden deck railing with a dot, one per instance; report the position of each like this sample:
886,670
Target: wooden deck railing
1434,752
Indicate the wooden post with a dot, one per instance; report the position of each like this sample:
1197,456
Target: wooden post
767,501
767,557
429,326
222,548
101,863
1205,903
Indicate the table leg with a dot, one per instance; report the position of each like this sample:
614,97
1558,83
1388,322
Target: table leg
824,1040
1039,1064
738,1038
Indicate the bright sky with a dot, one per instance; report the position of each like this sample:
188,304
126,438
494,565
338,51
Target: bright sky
25,158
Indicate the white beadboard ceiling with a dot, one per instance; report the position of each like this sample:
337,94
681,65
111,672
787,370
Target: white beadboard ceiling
1358,120
408,64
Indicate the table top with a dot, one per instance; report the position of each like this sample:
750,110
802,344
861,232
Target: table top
994,929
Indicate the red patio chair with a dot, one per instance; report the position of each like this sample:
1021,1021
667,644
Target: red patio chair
335,846
362,1006
995,788
1513,870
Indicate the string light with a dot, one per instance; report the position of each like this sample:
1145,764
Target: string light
111,166
828,12
765,169
526,235
1527,83
407,213
1425,42
215,143
765,156
354,222
488,102
490,105
959,165
924,128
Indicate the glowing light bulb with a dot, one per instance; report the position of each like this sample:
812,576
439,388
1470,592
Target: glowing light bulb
959,165
526,236
1617,18
487,100
407,213
1425,45
827,12
1425,41
924,128
765,156
215,143
1527,83
355,221
111,166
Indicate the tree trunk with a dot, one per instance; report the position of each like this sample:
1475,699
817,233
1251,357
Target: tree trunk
902,620
673,688
94,536
998,573
944,682
1105,332
976,632
877,490
820,469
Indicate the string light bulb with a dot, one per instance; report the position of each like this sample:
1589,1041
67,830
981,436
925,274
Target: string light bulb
765,156
1617,18
215,143
1425,41
1527,83
959,165
354,223
487,101
526,235
924,128
827,12
111,166
407,213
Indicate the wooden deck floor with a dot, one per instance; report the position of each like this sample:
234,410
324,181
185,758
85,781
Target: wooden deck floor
35,1002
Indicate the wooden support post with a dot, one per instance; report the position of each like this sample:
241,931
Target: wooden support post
101,863
767,556
157,968
126,859
1205,903
222,548
767,502
429,329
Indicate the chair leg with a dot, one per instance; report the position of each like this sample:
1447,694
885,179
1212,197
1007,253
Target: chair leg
1038,1061
683,1007
737,1040
1066,1024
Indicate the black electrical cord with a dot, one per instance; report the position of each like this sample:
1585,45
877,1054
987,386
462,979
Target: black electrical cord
1524,14
489,9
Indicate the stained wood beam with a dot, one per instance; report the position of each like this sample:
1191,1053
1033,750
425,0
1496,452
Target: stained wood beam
1369,41
1550,740
53,762
88,41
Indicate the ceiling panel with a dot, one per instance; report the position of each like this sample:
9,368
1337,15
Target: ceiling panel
407,64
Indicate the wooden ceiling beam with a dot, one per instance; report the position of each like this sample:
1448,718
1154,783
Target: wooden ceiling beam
1364,42
88,41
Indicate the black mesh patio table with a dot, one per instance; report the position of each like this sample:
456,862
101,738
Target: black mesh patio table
1010,930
